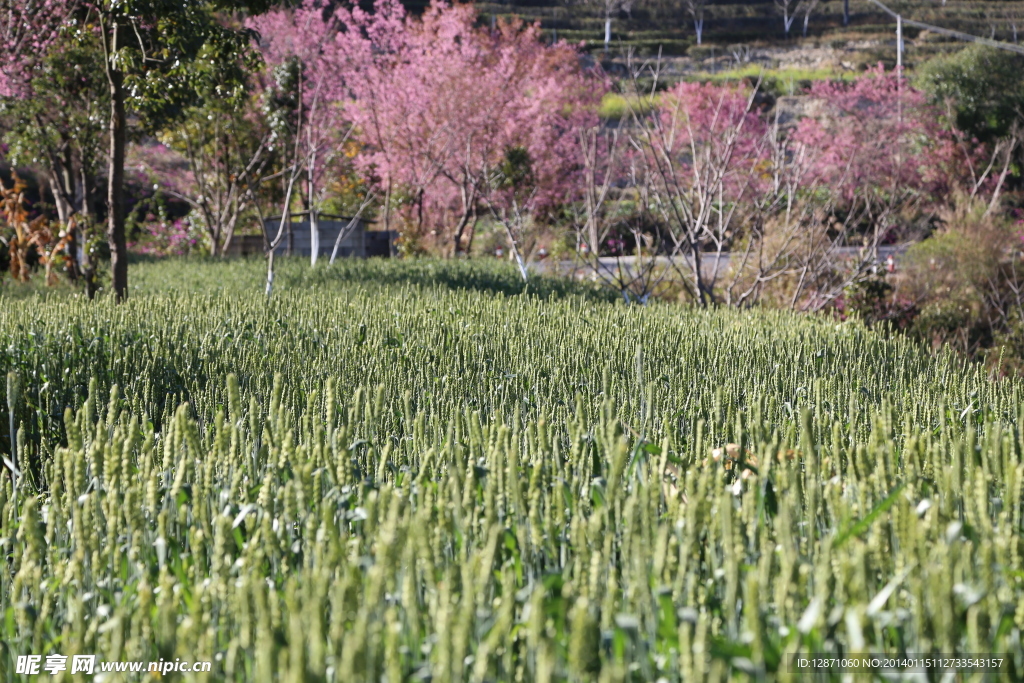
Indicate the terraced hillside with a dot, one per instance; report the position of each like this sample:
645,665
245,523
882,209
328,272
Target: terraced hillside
655,23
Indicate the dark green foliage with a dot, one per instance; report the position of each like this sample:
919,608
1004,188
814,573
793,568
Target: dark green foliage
177,53
517,169
984,86
65,113
872,301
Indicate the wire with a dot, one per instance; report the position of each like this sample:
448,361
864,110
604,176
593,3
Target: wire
999,45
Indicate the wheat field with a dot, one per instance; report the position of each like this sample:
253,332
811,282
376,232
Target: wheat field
416,471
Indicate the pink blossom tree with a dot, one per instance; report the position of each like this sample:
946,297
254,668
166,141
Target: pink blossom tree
434,104
744,202
310,128
705,157
884,157
27,30
880,144
439,102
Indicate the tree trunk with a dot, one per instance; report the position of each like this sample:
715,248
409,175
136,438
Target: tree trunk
704,294
67,180
846,12
291,234
470,233
59,187
314,217
228,234
63,210
607,32
84,201
419,211
115,190
86,263
460,227
314,237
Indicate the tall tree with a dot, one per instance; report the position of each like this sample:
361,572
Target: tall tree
608,9
808,7
227,152
56,125
882,148
983,87
696,10
306,123
789,10
153,50
440,102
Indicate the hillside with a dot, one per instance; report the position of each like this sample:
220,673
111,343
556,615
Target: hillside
651,24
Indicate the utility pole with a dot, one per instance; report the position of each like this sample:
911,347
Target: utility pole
899,67
899,45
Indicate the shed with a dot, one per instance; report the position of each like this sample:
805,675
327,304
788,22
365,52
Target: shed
300,239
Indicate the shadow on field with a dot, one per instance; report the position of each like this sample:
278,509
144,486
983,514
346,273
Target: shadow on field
152,275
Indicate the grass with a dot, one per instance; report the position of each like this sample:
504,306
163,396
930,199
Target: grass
405,471
776,81
752,72
615,106
245,277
